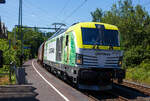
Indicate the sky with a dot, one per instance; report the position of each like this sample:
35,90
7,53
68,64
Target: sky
42,13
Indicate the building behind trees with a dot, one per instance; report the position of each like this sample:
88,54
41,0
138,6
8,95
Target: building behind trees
3,30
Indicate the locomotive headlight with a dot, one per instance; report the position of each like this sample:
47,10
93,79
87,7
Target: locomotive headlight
120,61
79,59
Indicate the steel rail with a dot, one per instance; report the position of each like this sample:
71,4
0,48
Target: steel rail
140,87
120,98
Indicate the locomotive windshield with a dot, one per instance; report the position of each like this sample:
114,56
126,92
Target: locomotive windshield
95,36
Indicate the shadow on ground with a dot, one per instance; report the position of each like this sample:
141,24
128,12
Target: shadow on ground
17,93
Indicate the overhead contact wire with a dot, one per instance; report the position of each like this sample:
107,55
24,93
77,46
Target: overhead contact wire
75,10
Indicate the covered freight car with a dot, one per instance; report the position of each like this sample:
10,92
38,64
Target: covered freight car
41,53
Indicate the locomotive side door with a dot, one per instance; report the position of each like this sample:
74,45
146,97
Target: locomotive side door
66,49
59,44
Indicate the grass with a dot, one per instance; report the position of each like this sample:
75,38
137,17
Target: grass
4,69
140,73
4,79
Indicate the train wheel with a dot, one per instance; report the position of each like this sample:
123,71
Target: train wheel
49,68
120,80
43,65
64,76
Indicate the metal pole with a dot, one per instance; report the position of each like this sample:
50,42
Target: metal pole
10,73
15,37
21,36
20,30
55,28
19,16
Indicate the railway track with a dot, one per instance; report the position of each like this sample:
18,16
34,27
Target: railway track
106,96
140,87
92,96
120,98
127,91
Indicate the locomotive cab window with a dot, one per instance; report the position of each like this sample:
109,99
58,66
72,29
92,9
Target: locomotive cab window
95,36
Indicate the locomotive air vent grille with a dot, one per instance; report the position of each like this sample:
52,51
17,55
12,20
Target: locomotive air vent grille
91,61
111,61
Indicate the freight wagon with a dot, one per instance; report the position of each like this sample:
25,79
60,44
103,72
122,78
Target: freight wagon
88,54
41,53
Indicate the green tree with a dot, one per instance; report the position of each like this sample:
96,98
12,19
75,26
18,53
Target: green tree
32,38
97,15
134,26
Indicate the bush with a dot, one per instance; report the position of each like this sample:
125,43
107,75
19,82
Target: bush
140,73
134,56
9,54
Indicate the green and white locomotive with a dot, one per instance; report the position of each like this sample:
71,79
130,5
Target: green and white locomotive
88,54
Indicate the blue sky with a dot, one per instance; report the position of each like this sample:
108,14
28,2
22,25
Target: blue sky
43,13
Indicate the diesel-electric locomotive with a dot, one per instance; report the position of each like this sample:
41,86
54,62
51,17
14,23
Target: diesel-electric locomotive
88,54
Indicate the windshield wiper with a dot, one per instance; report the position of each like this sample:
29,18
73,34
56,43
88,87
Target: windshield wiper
95,44
98,40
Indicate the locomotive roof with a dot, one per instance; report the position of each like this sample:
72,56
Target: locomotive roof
84,24
92,25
